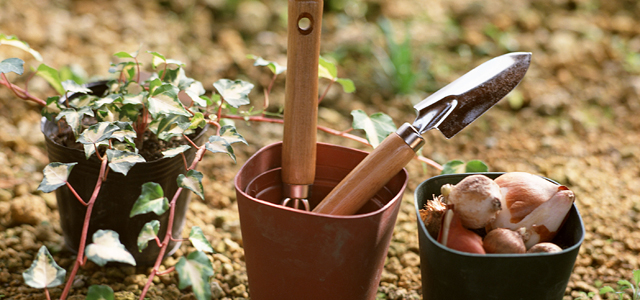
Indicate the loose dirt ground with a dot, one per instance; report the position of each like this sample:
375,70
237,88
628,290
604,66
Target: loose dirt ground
574,118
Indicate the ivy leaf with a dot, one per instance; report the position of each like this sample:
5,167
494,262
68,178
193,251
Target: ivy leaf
52,76
52,108
149,232
151,199
327,69
199,241
458,166
170,125
273,66
100,292
123,54
166,104
376,127
98,133
194,91
231,135
44,272
56,175
90,149
217,144
11,40
125,132
122,161
106,247
236,93
195,271
74,118
193,182
73,87
14,65
197,121
175,151
347,85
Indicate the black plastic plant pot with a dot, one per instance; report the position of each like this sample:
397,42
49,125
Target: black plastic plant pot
117,196
450,274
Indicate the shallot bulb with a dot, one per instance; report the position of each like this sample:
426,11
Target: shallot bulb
502,240
476,200
543,222
522,193
453,235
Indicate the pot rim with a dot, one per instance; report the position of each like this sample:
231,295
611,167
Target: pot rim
381,210
423,227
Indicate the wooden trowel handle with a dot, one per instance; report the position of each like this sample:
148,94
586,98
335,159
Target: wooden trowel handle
364,181
301,98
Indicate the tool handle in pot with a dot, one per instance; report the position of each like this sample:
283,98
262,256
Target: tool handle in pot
368,177
301,98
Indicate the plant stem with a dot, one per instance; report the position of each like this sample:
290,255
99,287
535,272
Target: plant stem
85,227
46,293
326,91
19,92
73,191
168,235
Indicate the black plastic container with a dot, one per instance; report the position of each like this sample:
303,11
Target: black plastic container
450,274
117,195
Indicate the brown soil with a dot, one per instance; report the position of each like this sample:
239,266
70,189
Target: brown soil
573,119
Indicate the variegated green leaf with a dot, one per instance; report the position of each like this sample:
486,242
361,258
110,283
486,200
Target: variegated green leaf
71,86
166,105
197,121
52,108
122,161
90,149
74,118
199,241
151,199
13,64
100,292
12,40
347,85
148,233
217,144
175,151
169,126
231,135
194,91
195,270
52,76
44,272
376,127
98,133
273,66
236,93
192,181
125,132
458,166
56,175
106,247
327,69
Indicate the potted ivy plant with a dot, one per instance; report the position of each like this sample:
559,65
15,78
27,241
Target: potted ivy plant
121,153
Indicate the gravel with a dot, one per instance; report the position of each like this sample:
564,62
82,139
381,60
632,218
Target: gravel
573,118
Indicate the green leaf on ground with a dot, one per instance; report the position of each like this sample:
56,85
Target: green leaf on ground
193,182
376,127
56,175
458,166
97,133
195,271
106,247
273,66
151,199
217,144
13,64
44,272
175,151
122,161
149,232
199,241
100,292
236,93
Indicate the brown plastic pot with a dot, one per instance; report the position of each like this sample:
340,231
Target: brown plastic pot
117,195
451,274
295,254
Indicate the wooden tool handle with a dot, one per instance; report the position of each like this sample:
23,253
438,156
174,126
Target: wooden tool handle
363,182
301,98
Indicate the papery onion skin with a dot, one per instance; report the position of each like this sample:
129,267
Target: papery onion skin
522,193
476,200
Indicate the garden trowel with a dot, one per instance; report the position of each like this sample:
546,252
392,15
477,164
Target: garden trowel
450,109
